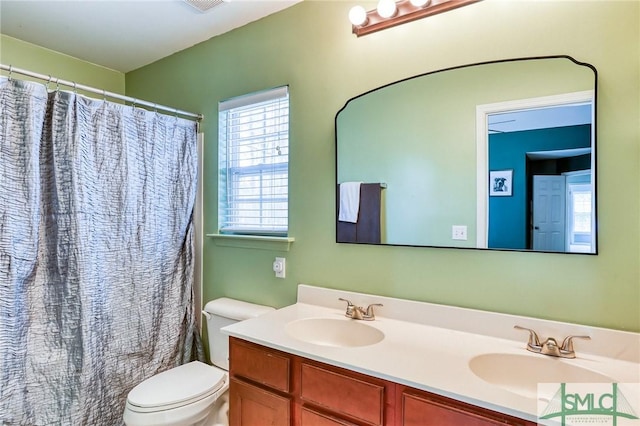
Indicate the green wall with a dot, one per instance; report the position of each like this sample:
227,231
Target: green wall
311,48
22,54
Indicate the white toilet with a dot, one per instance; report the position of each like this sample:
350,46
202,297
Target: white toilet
193,394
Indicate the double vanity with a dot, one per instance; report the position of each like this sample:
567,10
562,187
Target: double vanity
410,363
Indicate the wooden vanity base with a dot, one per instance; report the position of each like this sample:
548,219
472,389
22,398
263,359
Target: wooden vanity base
270,387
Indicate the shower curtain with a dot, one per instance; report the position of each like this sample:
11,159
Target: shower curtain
96,253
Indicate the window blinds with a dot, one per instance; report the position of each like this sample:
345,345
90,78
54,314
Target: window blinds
253,180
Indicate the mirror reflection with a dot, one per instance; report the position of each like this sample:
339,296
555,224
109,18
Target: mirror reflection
497,155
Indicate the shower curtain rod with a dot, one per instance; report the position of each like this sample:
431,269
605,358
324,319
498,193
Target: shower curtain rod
11,69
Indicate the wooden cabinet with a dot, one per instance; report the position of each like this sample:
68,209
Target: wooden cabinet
421,408
260,386
270,387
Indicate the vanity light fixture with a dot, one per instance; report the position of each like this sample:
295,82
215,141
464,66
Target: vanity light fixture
390,13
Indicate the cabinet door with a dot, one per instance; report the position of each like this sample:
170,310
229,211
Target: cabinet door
425,409
250,406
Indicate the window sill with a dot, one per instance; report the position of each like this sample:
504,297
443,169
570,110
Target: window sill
253,241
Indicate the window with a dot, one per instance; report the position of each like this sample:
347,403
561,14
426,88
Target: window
253,165
580,216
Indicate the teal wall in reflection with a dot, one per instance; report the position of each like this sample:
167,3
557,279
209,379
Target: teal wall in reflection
509,217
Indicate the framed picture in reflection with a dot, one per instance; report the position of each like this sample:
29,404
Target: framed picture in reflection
501,183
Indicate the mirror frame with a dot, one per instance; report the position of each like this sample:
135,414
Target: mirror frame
498,61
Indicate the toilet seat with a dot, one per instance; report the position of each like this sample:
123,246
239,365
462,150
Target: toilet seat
177,387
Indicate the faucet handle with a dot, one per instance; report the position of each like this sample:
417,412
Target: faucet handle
534,341
567,343
350,307
349,304
369,311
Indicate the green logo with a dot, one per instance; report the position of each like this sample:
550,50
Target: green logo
588,404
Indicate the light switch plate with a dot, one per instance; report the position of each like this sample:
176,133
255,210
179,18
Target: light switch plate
459,232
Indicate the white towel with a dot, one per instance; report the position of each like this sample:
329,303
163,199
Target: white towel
349,202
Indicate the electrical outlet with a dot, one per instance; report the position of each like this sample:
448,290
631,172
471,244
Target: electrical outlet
459,232
279,267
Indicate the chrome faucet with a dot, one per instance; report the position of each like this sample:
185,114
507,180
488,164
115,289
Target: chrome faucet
358,312
550,346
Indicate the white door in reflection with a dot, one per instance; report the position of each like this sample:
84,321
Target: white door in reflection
549,218
562,213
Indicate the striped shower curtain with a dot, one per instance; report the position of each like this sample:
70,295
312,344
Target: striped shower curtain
96,253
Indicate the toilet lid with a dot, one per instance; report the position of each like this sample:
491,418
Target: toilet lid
178,386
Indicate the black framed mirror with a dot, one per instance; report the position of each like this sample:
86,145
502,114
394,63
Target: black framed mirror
497,155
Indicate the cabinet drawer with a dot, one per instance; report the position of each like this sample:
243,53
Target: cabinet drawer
343,394
310,417
260,365
424,409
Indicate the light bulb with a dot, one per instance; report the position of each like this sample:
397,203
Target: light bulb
386,8
420,3
358,16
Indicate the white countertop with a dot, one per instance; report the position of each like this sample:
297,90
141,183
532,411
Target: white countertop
436,358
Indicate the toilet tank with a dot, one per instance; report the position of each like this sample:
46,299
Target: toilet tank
221,313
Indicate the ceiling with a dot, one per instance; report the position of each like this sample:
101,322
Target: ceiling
126,34
541,118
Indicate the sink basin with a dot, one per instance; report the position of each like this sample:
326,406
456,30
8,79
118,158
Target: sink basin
520,374
334,332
